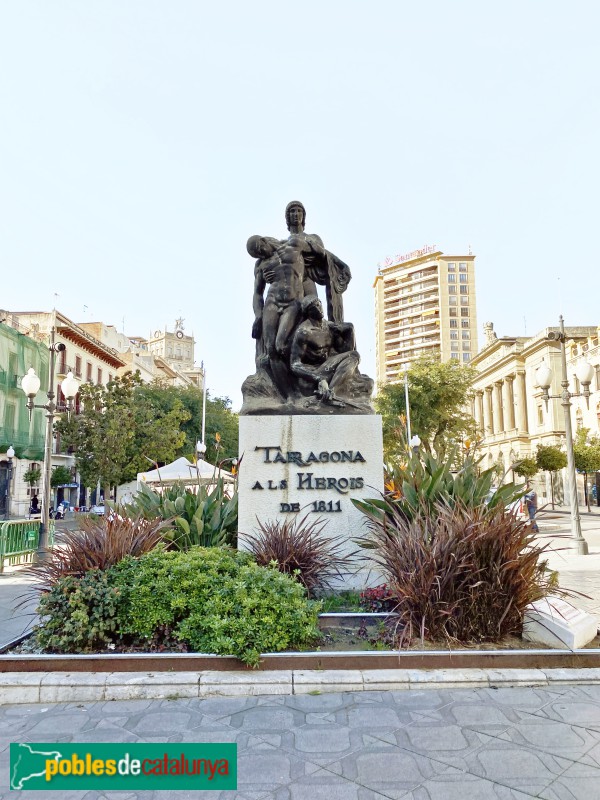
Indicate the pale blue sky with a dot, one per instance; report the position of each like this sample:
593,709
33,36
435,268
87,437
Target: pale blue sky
141,143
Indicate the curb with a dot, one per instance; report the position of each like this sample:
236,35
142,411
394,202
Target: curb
85,687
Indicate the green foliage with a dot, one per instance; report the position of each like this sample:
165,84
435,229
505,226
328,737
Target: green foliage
32,476
60,476
79,614
203,516
219,418
460,573
422,487
526,467
299,548
215,600
118,427
586,449
550,458
438,395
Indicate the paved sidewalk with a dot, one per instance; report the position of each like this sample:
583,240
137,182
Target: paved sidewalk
14,620
467,744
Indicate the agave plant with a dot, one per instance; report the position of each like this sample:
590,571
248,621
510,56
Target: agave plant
197,517
423,486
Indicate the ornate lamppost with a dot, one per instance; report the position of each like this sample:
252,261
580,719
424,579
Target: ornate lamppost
585,373
31,386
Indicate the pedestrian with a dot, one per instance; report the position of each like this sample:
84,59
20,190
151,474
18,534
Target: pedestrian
532,505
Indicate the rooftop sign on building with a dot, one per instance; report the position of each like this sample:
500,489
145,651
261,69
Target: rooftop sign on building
391,261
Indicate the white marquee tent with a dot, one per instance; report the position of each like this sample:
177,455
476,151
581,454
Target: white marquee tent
184,471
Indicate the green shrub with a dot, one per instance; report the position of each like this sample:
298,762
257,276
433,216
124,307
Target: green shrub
203,516
79,614
216,600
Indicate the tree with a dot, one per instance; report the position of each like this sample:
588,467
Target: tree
219,419
119,430
32,476
526,468
439,393
60,476
586,450
550,458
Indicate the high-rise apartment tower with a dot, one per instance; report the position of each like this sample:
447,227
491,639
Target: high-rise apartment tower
424,303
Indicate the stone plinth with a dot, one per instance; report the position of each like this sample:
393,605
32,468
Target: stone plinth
297,466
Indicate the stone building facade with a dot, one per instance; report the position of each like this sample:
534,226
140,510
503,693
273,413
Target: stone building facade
511,415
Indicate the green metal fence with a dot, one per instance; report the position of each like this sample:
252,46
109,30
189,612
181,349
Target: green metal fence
19,541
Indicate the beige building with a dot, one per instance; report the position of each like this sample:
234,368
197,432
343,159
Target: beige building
424,303
176,348
511,414
90,361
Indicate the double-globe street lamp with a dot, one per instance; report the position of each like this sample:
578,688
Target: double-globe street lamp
585,373
30,384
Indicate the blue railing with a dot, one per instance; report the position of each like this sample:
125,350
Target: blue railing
19,541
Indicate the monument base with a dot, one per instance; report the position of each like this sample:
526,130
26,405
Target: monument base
312,466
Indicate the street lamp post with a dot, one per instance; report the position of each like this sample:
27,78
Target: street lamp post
10,454
31,386
585,374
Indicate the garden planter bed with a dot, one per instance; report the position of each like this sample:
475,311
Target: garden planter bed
340,627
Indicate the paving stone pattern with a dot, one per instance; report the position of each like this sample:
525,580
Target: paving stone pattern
430,744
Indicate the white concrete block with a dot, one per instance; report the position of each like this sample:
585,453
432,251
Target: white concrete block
385,679
250,683
565,675
315,465
556,622
328,680
516,677
20,687
447,678
64,687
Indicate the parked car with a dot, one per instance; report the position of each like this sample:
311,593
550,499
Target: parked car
98,510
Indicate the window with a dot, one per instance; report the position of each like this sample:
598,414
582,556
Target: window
88,372
454,323
464,290
463,278
99,375
452,301
464,323
452,289
579,419
464,301
78,366
62,367
454,355
453,345
597,370
462,266
466,334
454,312
452,277
466,346
110,377
577,384
464,312
466,356
540,415
454,334
451,266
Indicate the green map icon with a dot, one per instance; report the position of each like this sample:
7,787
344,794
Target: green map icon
27,762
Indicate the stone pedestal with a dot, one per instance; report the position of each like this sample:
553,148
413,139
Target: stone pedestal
296,466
